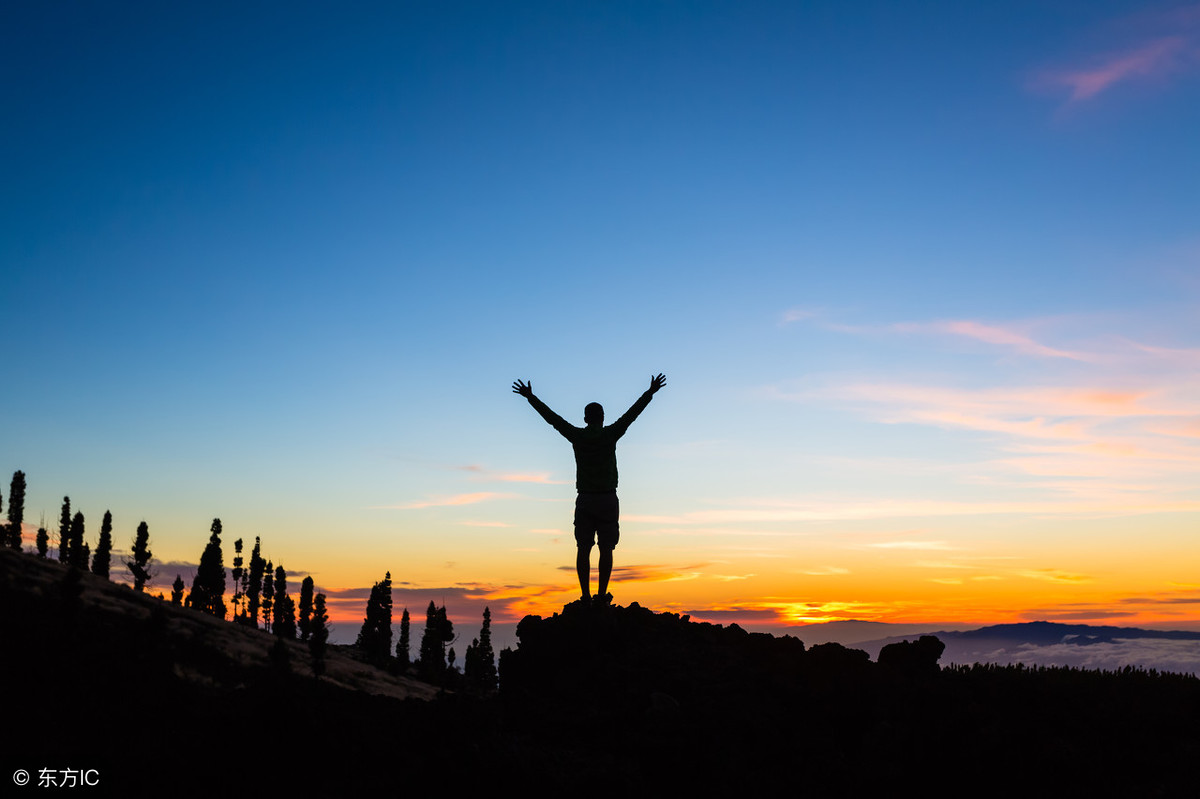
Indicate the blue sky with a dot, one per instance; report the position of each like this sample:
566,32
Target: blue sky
280,264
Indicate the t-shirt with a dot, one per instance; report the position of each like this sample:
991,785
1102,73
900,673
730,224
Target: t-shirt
595,446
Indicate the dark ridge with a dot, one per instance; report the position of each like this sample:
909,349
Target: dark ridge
161,698
636,700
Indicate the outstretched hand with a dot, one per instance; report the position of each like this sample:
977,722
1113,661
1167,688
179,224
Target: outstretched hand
657,382
524,389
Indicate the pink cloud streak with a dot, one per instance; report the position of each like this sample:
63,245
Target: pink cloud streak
445,502
1155,58
992,334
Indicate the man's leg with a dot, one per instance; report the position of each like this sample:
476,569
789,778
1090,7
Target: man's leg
583,566
605,570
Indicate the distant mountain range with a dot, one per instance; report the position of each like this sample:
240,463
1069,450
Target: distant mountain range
1041,643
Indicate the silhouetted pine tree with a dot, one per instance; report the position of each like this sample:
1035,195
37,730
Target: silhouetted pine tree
236,573
375,637
431,665
43,541
306,608
471,666
285,617
76,555
64,531
268,594
208,588
402,646
16,509
439,631
320,634
177,590
254,583
244,588
486,677
139,567
103,559
445,628
366,633
285,609
385,616
85,555
280,587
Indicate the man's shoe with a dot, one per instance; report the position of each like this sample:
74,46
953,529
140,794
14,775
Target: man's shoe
601,601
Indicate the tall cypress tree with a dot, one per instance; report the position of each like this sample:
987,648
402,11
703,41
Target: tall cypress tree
320,633
384,626
16,509
445,627
102,561
471,667
64,531
486,656
268,594
367,631
76,554
208,588
375,637
285,609
433,648
306,607
236,573
280,591
139,567
402,652
254,583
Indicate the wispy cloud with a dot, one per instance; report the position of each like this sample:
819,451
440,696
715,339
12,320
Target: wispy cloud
1013,336
445,502
796,315
1147,45
998,335
1118,431
863,508
825,571
1160,56
480,473
1054,576
912,545
650,573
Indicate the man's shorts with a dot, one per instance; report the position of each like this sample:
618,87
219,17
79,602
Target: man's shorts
596,518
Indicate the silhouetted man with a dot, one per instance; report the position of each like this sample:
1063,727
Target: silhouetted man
596,508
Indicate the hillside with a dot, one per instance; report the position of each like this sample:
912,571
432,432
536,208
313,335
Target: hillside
618,699
153,695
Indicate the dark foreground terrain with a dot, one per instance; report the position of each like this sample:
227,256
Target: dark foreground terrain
161,700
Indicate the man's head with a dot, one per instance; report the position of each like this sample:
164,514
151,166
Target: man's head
593,414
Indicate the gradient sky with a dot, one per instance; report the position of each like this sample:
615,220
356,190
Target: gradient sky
923,278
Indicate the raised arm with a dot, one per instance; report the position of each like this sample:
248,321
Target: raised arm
554,420
622,424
